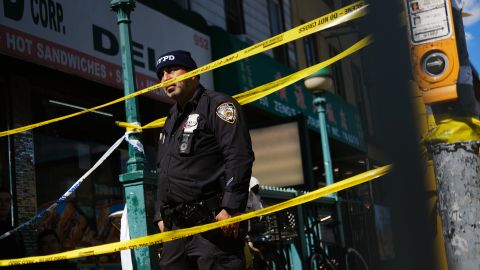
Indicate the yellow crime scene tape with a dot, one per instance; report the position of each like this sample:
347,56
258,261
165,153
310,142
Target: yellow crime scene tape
454,130
271,87
345,14
181,233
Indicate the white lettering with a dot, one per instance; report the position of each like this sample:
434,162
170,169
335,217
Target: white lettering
351,139
336,132
40,50
48,53
91,67
65,58
165,58
263,101
29,45
18,43
284,109
73,61
83,64
10,41
313,121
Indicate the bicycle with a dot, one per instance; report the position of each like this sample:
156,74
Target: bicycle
267,239
265,256
328,255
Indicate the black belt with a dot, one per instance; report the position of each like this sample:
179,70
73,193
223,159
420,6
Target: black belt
191,214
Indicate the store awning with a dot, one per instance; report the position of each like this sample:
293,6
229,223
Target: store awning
343,119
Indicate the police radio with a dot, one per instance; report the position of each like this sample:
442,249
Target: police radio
433,49
186,143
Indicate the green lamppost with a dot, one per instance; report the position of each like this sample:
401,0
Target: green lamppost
318,83
137,184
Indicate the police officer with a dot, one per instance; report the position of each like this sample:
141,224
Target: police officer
204,162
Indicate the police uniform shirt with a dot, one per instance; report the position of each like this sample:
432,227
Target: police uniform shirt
205,150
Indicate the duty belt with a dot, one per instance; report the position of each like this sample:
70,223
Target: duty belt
186,215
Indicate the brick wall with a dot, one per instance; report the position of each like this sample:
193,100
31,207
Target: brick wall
25,185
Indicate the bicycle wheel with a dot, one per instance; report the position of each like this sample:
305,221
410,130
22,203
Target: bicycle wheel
358,256
317,261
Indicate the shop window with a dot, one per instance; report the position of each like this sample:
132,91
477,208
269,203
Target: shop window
311,52
330,4
277,26
234,16
337,74
363,101
62,152
66,150
83,219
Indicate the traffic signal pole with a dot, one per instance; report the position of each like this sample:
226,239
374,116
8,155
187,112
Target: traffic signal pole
138,185
443,72
457,164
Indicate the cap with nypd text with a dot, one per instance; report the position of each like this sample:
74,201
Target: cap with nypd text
174,58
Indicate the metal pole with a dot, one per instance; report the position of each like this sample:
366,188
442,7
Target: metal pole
457,168
134,180
320,103
304,264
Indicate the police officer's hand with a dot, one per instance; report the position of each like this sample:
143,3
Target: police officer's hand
161,226
231,229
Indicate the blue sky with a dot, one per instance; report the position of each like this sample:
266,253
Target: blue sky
472,29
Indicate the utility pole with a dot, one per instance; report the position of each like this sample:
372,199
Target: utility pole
443,72
457,163
138,185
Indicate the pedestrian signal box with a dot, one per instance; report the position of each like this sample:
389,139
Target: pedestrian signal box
433,48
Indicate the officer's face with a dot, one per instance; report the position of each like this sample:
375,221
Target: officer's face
181,91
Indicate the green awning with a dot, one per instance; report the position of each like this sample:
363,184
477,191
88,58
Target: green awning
343,119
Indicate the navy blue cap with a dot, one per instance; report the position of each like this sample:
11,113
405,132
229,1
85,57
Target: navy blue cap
175,58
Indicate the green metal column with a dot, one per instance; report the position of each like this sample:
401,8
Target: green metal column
320,102
137,184
304,252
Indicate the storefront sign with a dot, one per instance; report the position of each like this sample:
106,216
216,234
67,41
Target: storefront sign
343,120
81,38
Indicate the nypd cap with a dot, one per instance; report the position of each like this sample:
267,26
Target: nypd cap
175,58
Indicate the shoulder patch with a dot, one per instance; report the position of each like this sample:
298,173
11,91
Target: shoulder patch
227,112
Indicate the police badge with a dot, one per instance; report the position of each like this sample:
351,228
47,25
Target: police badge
191,124
227,112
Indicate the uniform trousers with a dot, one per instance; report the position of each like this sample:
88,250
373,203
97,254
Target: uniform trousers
206,251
